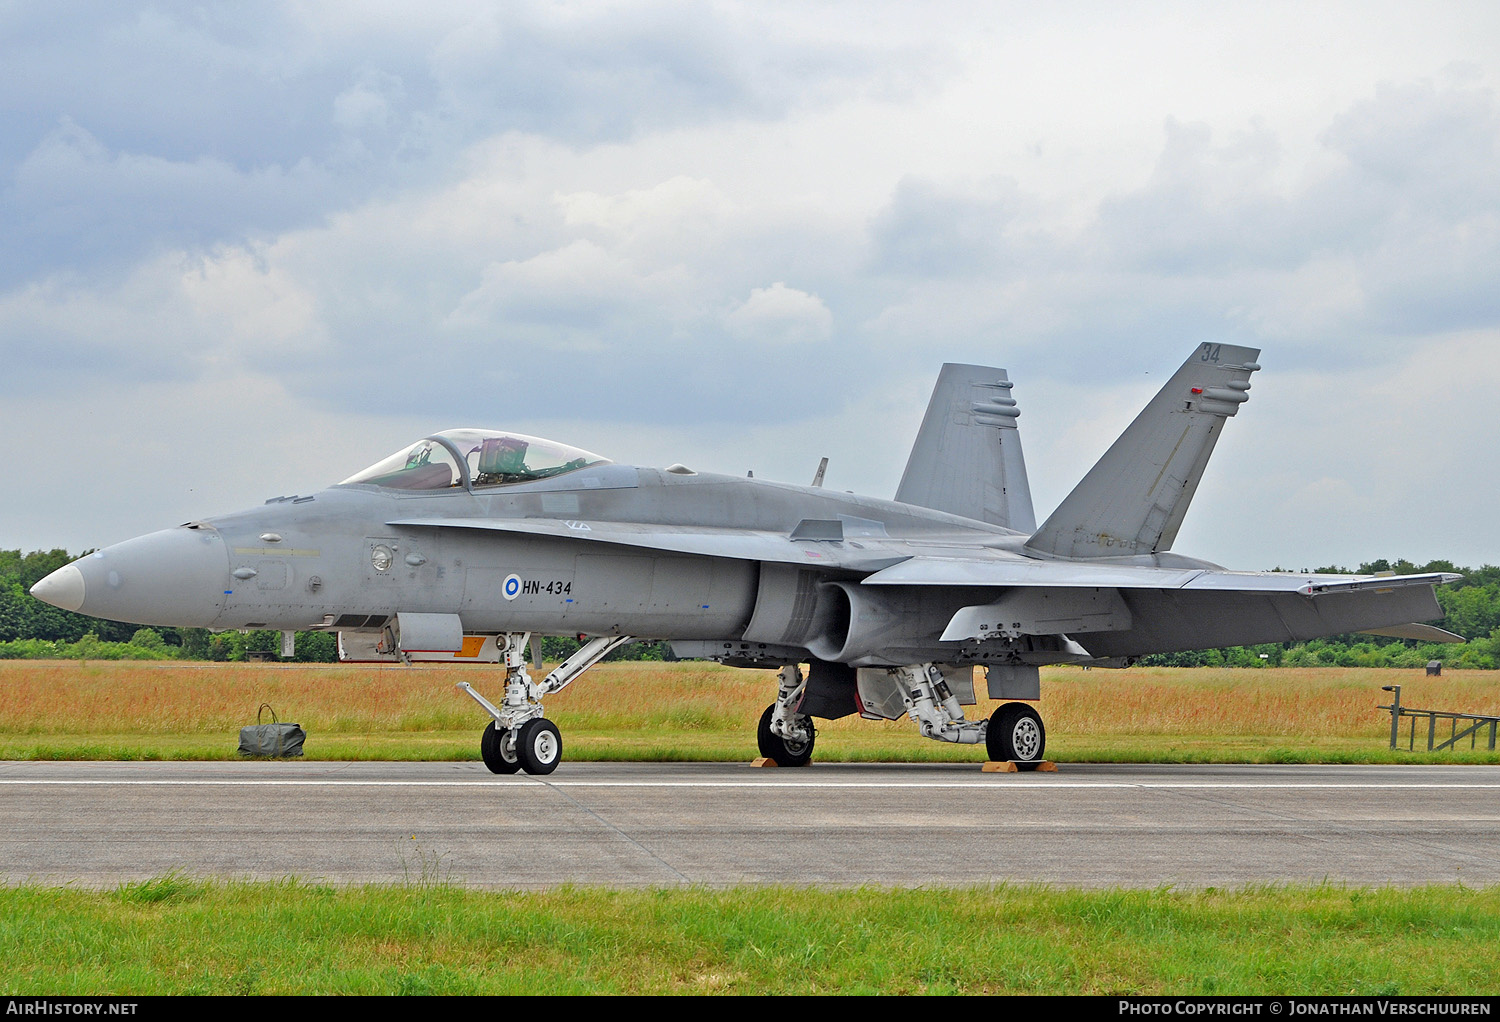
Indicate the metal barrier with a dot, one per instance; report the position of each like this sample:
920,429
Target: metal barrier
1476,723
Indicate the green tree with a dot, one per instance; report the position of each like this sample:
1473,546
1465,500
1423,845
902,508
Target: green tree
148,638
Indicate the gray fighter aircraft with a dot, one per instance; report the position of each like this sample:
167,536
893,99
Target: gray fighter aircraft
470,543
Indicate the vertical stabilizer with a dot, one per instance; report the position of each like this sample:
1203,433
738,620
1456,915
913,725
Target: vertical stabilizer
967,459
1134,499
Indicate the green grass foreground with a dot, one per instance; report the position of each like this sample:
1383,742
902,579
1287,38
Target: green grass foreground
175,935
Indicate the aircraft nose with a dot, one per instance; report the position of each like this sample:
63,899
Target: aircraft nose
63,588
175,577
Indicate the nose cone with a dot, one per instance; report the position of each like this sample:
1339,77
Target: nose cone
175,577
63,588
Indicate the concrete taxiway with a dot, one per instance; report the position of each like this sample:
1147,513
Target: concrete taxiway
99,824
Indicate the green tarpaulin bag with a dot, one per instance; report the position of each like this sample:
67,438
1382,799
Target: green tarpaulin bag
273,739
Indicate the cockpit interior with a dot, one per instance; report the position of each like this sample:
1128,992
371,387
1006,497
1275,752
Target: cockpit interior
473,459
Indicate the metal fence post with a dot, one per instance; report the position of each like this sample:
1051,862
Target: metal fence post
1395,691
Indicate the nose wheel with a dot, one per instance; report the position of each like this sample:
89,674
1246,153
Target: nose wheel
535,747
539,746
498,750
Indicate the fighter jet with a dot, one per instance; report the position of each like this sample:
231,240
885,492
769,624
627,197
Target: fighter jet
470,543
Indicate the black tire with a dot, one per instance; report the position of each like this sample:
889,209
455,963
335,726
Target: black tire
775,747
492,751
539,746
1016,734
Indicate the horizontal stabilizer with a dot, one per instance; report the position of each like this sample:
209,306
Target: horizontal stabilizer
955,571
1420,632
1379,582
967,457
1134,499
1126,610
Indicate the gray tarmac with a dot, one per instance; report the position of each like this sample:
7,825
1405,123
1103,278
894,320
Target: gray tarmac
632,825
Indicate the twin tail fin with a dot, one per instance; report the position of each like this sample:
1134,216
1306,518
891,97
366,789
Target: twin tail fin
1134,499
967,459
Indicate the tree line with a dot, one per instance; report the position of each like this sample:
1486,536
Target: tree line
31,629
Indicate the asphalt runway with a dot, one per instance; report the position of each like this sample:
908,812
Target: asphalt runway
99,824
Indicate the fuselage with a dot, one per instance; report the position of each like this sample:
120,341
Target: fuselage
334,560
735,568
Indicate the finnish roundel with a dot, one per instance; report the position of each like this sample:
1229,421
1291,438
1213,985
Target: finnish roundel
512,587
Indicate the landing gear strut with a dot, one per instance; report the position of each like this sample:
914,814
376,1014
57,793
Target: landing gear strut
1014,733
931,703
520,738
784,735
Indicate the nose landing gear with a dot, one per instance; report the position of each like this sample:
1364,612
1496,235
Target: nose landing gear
519,737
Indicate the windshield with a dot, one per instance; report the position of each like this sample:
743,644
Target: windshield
427,465
496,459
492,459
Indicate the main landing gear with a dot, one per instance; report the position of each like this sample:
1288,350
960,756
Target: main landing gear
1014,732
520,738
785,736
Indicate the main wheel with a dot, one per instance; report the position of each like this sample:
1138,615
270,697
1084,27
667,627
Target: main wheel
1015,733
497,751
539,746
775,747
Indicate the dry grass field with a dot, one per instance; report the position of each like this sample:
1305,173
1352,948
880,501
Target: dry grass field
642,710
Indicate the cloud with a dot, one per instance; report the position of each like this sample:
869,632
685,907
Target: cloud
575,297
369,103
1206,210
1428,147
127,131
931,231
623,219
531,250
1424,162
1392,235
594,73
175,317
779,315
682,219
73,203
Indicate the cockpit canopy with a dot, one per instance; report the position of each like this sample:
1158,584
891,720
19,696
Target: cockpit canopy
477,458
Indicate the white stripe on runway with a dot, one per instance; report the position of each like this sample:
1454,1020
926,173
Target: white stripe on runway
497,783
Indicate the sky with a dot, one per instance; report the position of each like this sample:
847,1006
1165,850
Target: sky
248,249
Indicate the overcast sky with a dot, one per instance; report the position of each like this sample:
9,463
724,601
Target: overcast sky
248,249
